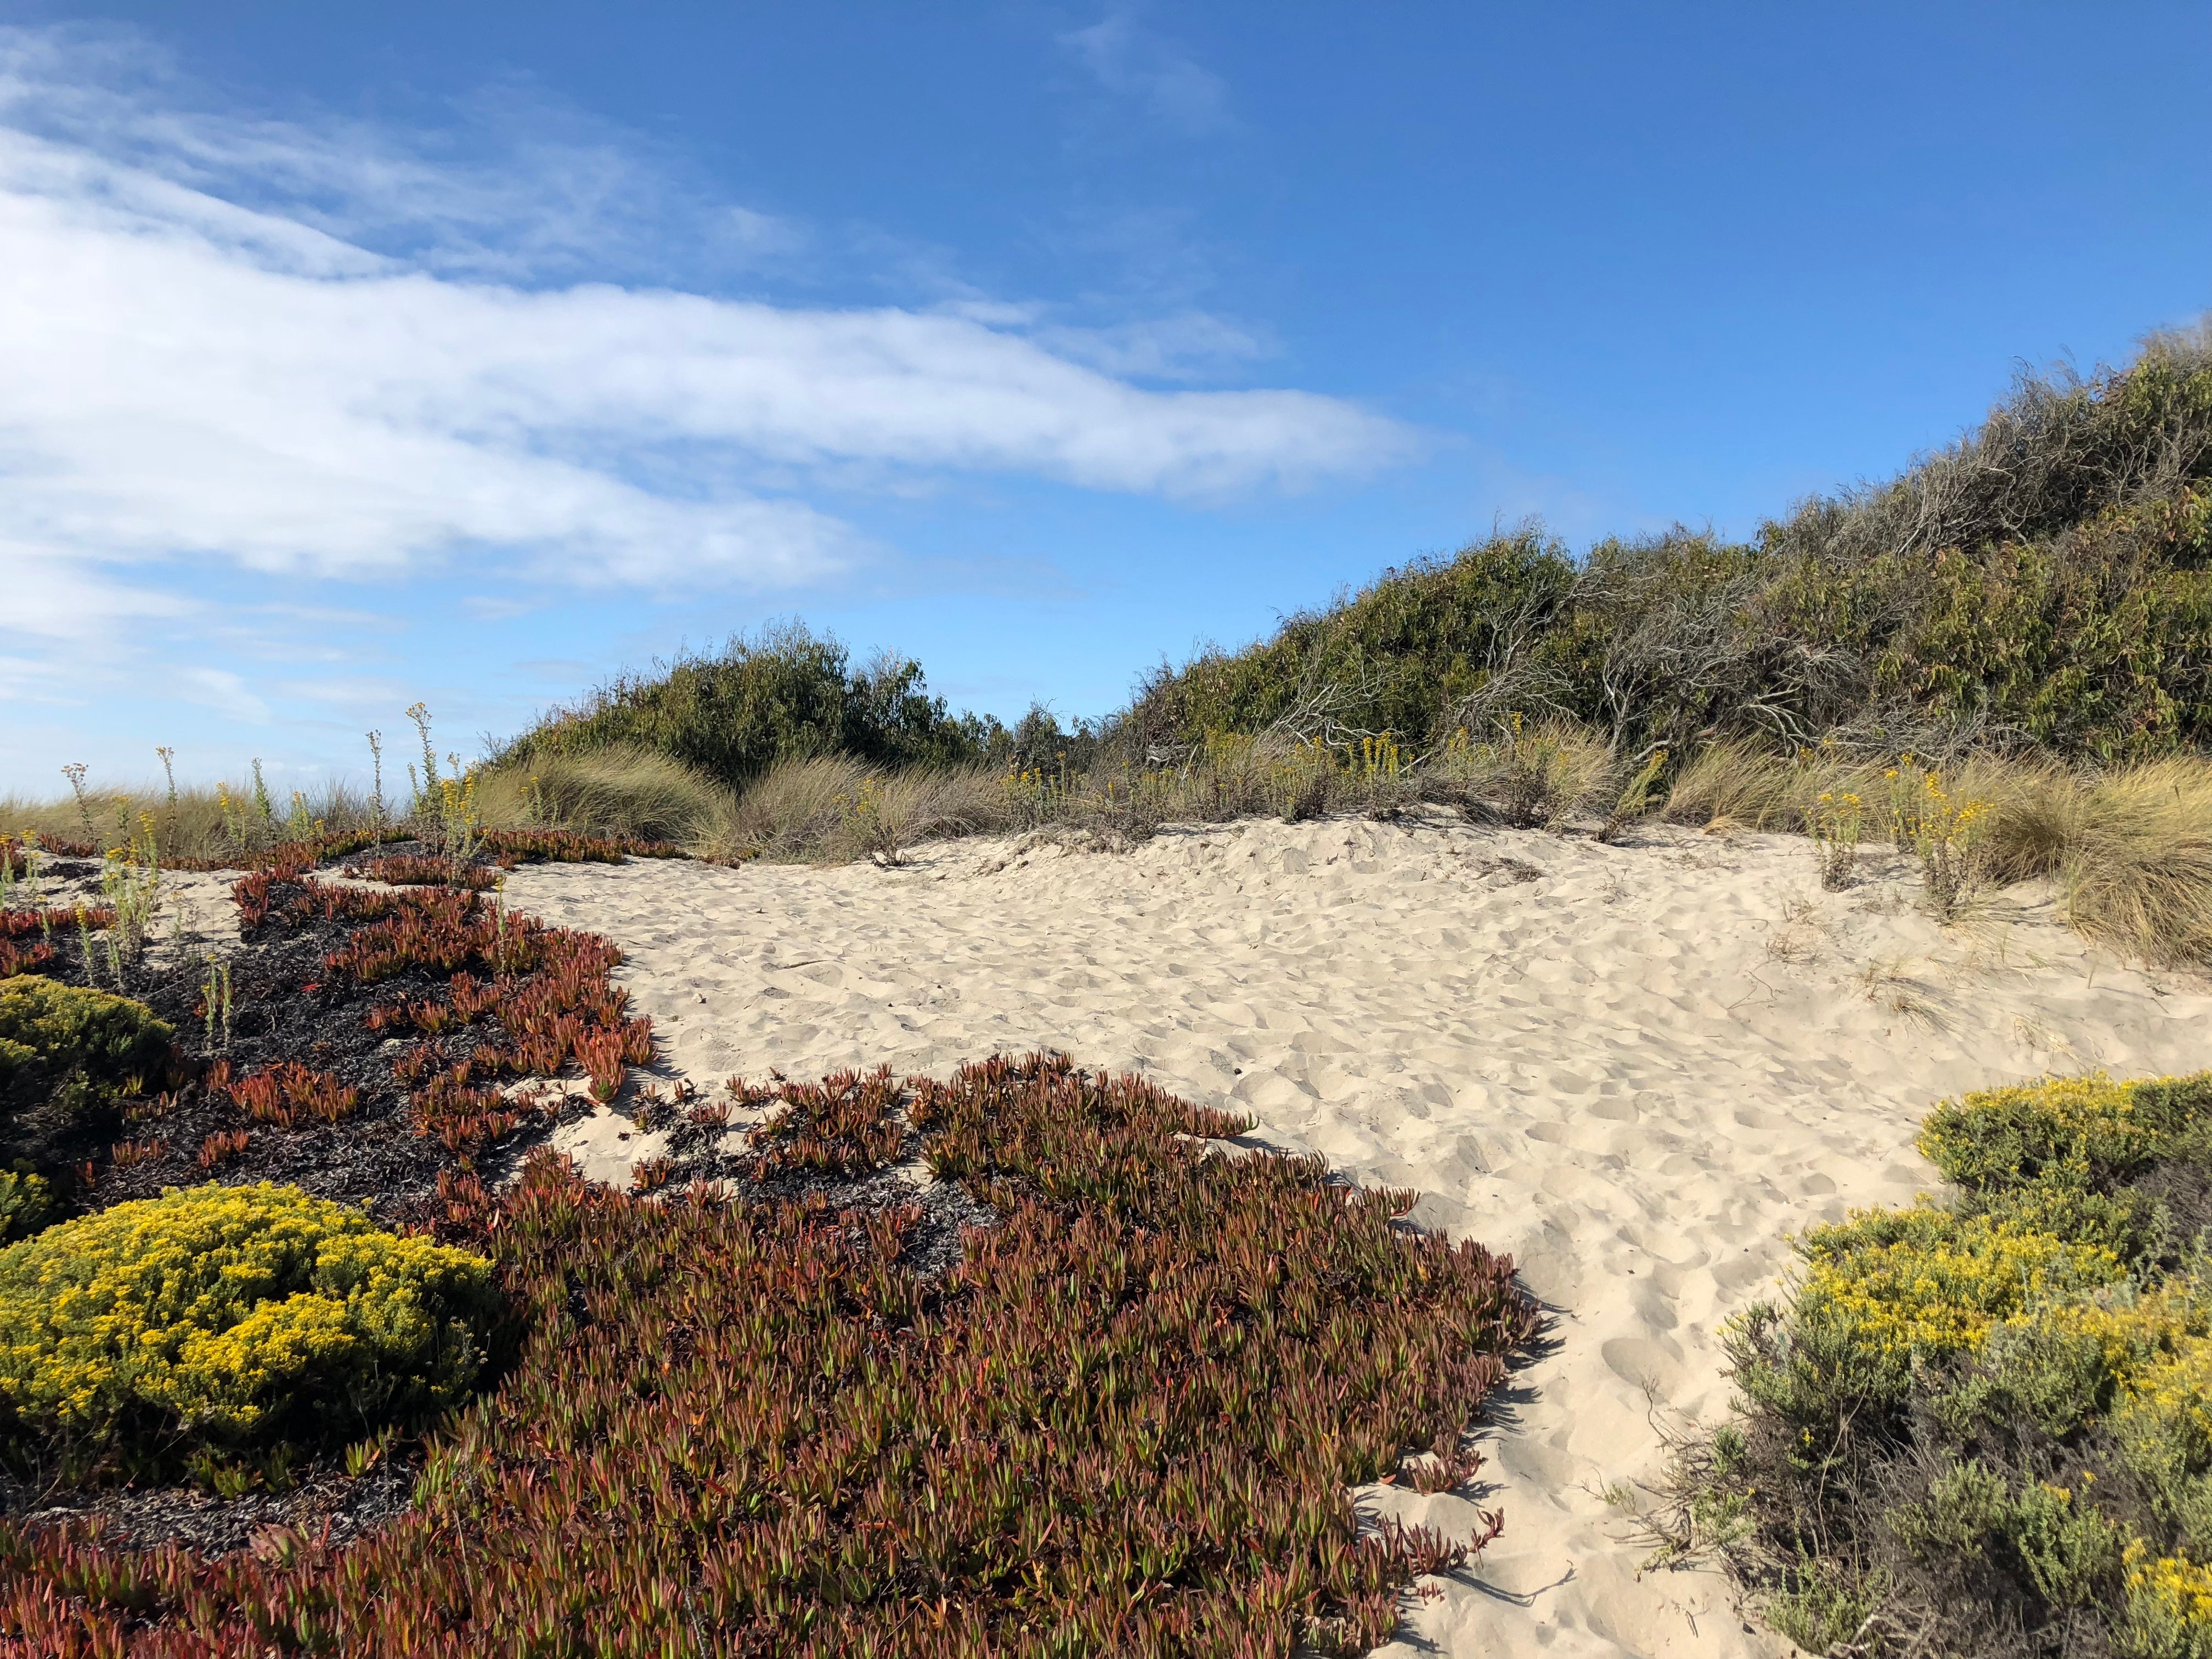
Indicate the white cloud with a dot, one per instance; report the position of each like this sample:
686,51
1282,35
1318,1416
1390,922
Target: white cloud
52,596
310,350
222,691
242,355
536,189
1131,61
1186,346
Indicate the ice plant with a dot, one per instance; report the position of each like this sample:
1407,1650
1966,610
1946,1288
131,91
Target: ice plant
1123,1423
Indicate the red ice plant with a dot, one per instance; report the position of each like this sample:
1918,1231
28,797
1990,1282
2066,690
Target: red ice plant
1124,1423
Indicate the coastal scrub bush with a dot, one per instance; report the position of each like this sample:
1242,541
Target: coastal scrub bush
1984,1426
27,1203
2046,580
2082,1131
232,1316
74,1046
785,694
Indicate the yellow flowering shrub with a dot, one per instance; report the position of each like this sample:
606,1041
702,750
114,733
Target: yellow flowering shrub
234,1314
75,1045
2069,1363
2129,1335
1994,1413
2169,1608
1931,1283
2072,1131
2164,1426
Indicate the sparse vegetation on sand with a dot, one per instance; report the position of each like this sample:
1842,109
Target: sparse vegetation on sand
1984,1427
1098,1388
1096,1384
2023,620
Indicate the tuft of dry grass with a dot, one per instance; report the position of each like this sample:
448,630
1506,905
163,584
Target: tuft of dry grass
1734,781
2130,848
191,825
2137,864
794,808
619,793
1542,776
833,810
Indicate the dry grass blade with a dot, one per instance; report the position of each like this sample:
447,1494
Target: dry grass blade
2138,861
619,793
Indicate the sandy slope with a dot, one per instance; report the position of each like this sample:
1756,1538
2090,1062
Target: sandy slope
1639,1069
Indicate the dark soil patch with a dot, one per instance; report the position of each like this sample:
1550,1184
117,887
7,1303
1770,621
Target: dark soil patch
285,1006
326,1503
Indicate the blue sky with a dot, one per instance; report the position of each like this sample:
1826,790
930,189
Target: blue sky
470,353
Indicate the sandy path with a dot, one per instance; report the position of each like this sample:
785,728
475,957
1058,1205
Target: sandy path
1639,1069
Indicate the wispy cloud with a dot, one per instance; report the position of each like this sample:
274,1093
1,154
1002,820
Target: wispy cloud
197,374
1133,61
317,349
223,691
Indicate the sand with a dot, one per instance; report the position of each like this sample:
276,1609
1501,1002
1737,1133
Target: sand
1639,1069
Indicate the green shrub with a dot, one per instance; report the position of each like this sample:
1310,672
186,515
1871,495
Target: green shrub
2068,1364
1400,655
2048,577
2071,1552
2132,1225
27,1203
233,1317
786,694
79,1047
2075,1132
1984,1427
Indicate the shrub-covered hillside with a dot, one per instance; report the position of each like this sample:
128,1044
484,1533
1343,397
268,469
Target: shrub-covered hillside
2047,579
787,694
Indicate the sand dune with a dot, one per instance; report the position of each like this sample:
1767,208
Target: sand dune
1638,1068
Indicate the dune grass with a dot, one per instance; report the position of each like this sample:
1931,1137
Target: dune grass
2129,844
620,792
194,824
